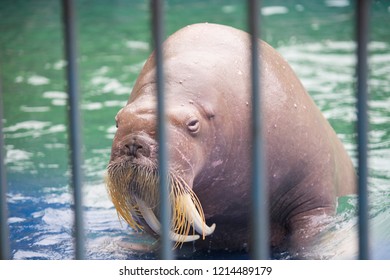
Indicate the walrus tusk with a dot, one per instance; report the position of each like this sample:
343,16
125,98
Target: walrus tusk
154,224
199,224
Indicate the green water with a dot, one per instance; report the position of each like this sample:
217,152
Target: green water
316,37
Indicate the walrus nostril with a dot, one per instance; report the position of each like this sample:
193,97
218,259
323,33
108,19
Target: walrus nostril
137,147
134,150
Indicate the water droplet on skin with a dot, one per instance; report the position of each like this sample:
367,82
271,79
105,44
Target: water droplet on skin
275,126
295,105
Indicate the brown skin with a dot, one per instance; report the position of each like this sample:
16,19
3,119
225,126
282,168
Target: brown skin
207,82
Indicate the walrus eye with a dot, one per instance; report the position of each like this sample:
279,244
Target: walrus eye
193,126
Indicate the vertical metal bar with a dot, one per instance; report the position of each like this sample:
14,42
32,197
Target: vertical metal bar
166,252
74,124
4,231
362,19
260,227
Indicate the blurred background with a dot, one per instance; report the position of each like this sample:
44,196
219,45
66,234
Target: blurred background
114,40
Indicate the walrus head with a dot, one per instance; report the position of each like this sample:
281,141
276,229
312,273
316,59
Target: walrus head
132,173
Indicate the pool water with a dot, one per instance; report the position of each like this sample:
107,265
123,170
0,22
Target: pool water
316,37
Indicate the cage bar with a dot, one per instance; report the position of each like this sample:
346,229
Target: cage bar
166,252
74,119
260,224
362,31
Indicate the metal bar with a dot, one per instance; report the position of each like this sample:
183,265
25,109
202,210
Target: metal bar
166,251
4,231
74,124
362,20
260,227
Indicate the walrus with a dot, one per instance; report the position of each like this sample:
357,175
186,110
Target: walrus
208,118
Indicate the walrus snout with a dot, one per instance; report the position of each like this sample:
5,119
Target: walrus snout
139,146
136,147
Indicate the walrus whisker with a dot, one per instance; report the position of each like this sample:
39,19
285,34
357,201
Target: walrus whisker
135,195
189,205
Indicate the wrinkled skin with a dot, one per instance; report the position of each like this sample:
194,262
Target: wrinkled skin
208,103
